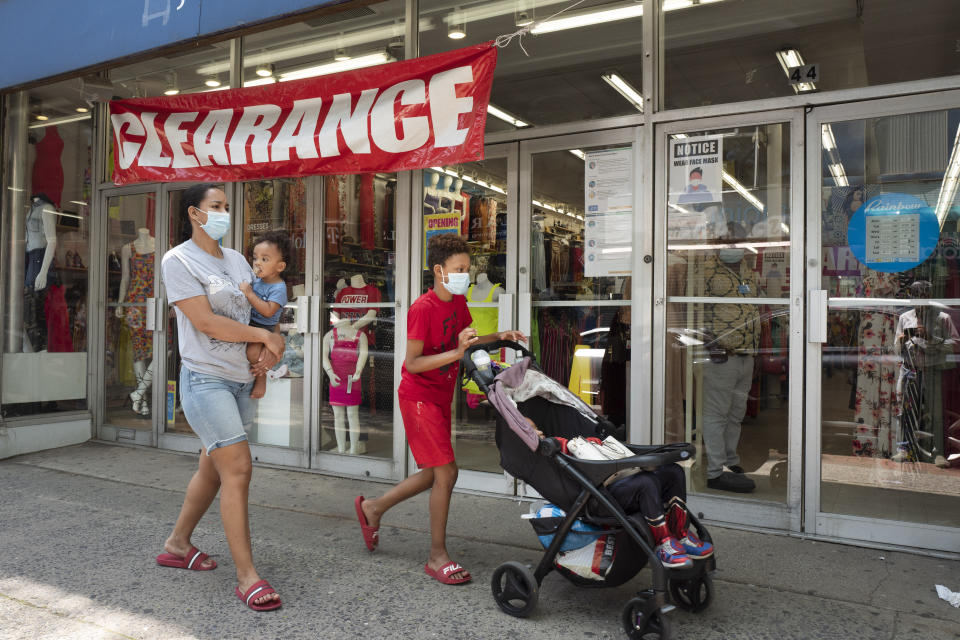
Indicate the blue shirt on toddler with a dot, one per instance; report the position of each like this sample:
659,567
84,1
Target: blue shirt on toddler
276,292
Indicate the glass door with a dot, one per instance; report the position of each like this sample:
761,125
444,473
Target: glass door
883,344
129,365
360,227
581,245
727,312
476,201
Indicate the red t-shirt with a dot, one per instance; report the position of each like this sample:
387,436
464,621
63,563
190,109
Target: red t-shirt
352,295
438,324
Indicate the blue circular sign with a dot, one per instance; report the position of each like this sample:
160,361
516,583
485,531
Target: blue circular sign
893,232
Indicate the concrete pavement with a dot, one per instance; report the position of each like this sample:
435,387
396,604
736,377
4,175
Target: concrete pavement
80,526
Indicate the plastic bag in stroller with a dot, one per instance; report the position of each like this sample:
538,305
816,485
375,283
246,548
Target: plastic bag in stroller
577,489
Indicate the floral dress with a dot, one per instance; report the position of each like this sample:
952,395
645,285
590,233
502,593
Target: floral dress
141,288
877,369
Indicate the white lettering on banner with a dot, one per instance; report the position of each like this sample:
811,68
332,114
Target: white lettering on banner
297,131
255,123
383,127
126,151
177,136
446,107
152,154
353,125
210,139
402,116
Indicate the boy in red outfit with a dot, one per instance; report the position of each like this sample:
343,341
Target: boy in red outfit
438,335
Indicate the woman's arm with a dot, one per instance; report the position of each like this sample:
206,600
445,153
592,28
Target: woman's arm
266,308
201,316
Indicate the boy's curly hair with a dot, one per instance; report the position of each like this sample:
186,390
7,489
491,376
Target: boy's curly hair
281,240
440,247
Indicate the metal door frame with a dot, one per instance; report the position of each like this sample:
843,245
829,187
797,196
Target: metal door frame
639,392
97,324
358,466
740,511
862,530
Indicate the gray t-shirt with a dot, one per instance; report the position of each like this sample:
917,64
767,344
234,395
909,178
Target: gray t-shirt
189,271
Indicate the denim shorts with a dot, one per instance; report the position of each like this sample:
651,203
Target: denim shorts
219,411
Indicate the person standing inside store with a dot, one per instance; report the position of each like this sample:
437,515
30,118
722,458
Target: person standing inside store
438,335
728,374
202,281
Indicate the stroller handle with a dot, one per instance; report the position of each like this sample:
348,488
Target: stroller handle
469,367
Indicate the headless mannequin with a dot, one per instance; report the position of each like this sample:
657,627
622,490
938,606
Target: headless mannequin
482,289
457,196
446,196
431,195
345,415
142,369
48,242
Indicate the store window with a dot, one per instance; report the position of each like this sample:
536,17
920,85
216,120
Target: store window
727,317
359,284
719,51
584,64
46,250
358,37
890,435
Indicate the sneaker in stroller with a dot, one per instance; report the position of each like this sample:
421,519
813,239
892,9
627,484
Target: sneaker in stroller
578,487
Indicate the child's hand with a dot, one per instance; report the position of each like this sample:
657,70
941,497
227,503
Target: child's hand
245,288
466,338
513,336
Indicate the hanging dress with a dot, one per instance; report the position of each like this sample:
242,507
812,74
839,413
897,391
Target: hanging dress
140,288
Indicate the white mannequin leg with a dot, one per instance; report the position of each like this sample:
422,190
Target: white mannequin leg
339,428
140,396
353,416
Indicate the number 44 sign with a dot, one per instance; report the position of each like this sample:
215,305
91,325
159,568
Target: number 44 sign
807,74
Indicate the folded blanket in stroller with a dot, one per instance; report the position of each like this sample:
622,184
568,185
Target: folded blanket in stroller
519,383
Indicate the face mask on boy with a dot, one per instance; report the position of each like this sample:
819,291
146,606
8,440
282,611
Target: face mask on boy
456,283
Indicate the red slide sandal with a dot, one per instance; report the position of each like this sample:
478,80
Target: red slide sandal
193,560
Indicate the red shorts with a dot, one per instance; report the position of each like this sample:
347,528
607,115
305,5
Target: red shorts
428,432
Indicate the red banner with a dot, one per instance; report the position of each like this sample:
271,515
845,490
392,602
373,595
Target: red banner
405,115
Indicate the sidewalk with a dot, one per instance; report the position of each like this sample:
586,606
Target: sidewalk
79,528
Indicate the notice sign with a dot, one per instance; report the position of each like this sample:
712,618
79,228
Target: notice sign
893,232
435,224
695,170
608,194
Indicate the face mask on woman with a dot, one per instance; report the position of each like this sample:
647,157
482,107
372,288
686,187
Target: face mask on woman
217,224
456,283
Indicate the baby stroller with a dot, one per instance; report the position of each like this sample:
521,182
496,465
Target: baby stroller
577,487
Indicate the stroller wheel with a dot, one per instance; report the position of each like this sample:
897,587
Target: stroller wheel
643,620
515,589
693,595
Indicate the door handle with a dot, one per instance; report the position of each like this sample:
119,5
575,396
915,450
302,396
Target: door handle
303,314
151,314
315,314
817,316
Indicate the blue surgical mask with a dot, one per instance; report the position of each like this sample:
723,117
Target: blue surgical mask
456,283
731,255
217,225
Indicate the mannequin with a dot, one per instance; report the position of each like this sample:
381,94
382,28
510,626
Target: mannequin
41,245
138,258
483,289
485,319
446,196
344,356
431,194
